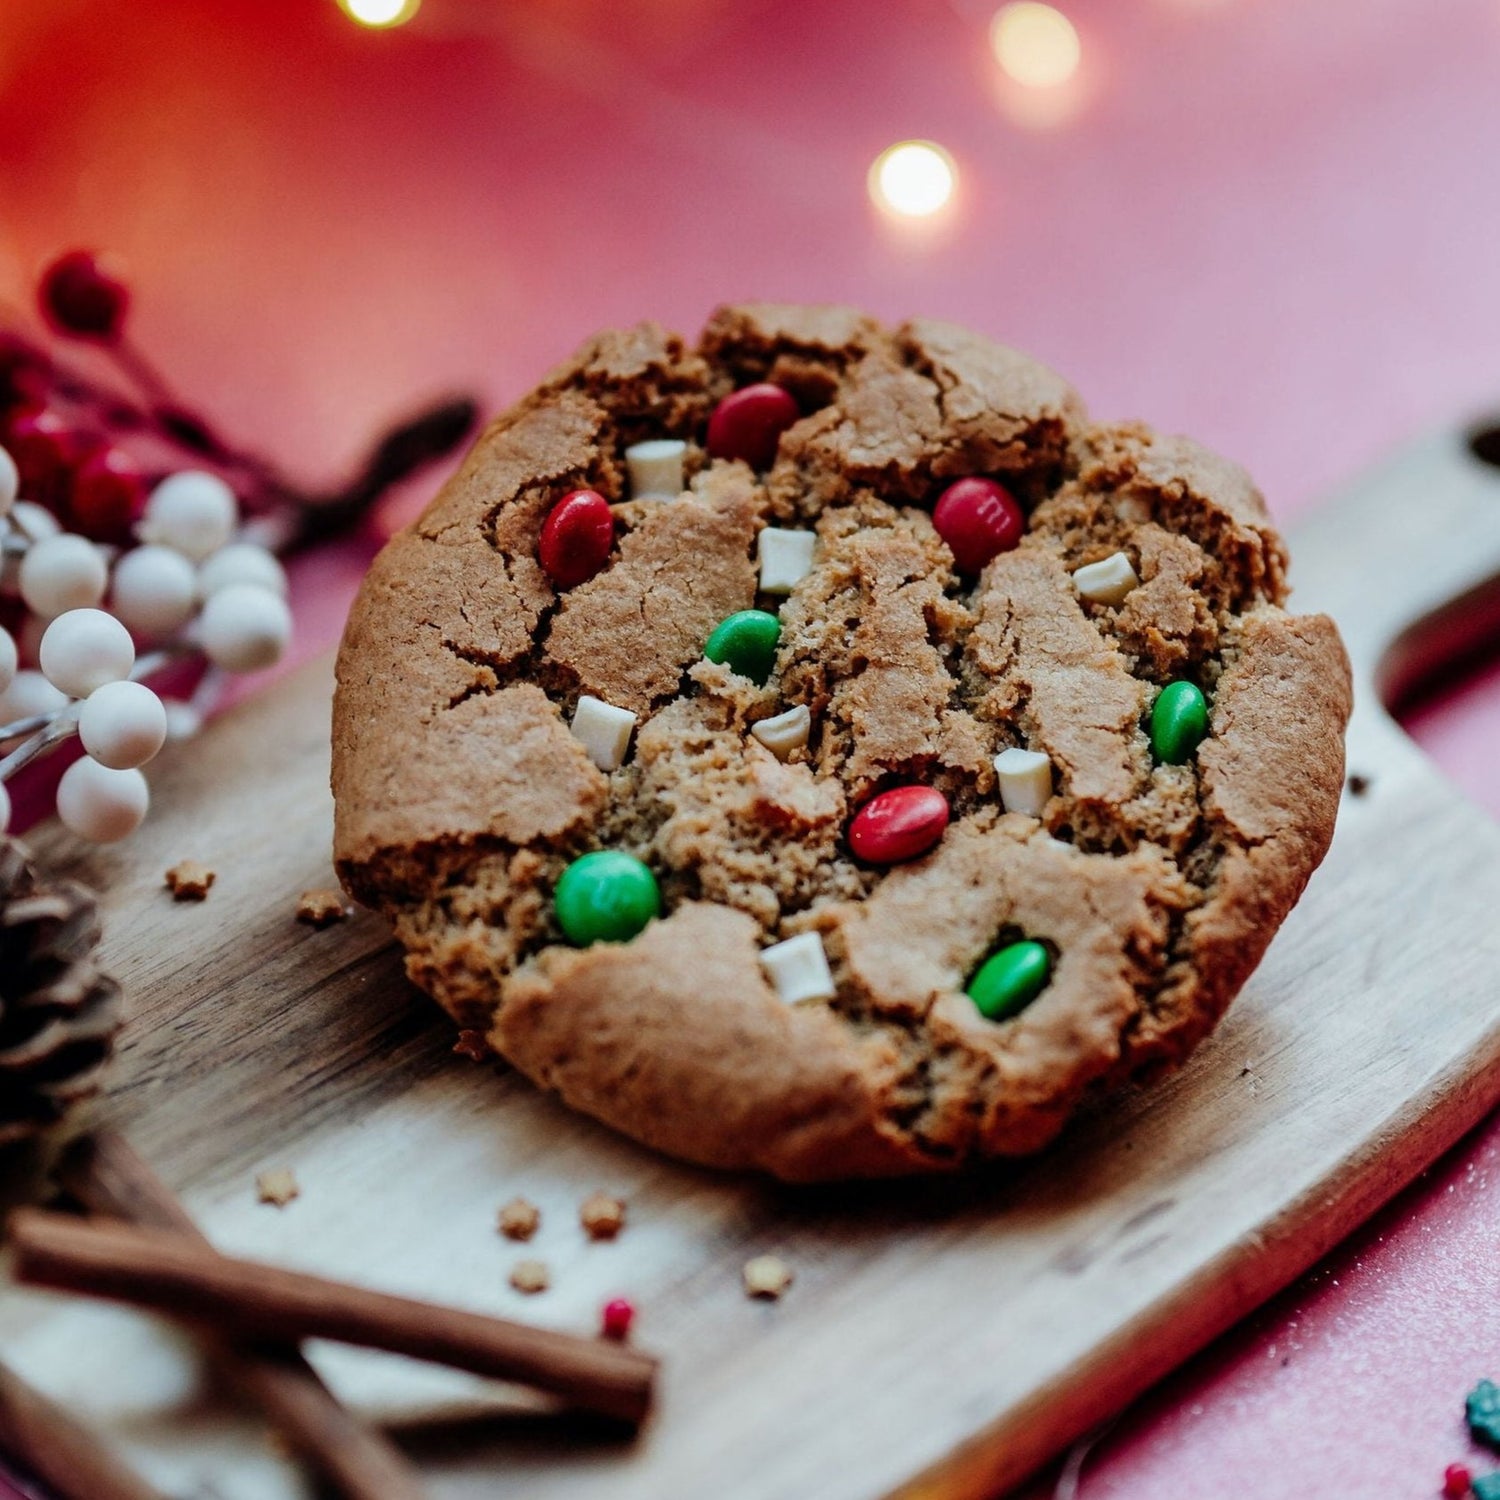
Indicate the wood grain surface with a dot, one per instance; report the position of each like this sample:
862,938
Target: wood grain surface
941,1338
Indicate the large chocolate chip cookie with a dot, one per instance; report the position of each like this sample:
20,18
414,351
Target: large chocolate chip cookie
823,749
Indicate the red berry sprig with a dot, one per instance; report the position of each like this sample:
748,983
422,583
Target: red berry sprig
82,297
79,442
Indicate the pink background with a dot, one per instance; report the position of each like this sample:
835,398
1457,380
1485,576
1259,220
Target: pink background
1272,223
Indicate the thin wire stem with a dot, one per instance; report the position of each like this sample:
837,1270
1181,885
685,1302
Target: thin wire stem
49,730
17,727
62,727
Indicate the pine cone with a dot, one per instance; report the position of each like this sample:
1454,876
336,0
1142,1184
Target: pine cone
58,1013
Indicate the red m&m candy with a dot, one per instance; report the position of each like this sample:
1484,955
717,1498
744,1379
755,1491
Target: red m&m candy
576,538
748,424
899,824
979,519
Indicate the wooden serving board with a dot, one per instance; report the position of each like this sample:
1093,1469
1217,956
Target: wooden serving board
942,1338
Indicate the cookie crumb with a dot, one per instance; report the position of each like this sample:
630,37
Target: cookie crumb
767,1276
1358,785
519,1219
471,1044
602,1216
530,1276
188,880
278,1186
322,908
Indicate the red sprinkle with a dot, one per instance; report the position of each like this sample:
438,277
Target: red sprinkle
576,538
1456,1481
748,424
616,1319
979,519
899,824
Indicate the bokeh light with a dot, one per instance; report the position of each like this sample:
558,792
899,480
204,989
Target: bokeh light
1035,44
380,12
912,179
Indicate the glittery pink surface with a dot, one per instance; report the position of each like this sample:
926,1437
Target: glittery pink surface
1273,223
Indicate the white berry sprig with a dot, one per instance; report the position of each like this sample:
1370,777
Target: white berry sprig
197,585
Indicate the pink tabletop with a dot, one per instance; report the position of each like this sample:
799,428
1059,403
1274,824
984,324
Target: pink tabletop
1271,223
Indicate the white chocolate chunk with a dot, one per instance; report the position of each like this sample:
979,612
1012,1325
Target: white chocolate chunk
799,968
1025,780
655,469
604,729
786,558
786,732
1107,582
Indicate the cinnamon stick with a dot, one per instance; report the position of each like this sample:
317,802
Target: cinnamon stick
106,1176
172,1274
59,1451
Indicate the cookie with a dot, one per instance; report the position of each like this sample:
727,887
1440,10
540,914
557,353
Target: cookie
822,749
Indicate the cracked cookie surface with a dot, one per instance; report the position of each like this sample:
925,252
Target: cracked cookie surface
462,794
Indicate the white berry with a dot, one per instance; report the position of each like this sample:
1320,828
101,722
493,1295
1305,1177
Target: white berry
244,628
99,804
122,725
10,481
241,562
84,649
9,658
155,590
35,520
183,720
30,523
60,573
192,511
29,696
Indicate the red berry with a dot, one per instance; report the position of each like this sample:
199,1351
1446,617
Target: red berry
616,1319
109,495
1456,1481
748,424
45,449
979,520
81,297
899,824
25,372
576,538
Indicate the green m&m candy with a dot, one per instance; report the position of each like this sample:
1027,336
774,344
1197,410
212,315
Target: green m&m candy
1179,721
746,643
1010,979
605,897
